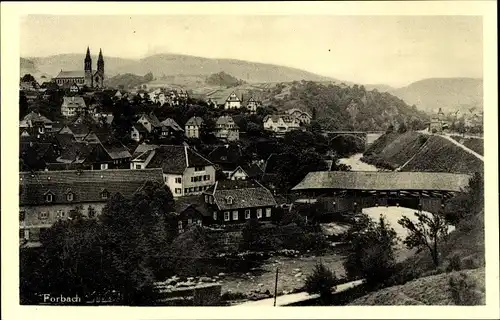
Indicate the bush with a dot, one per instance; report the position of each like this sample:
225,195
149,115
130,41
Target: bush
322,281
464,290
454,264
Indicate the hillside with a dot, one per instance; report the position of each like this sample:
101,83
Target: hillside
175,64
449,94
413,151
344,107
432,290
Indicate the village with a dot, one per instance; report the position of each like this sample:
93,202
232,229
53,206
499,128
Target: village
268,188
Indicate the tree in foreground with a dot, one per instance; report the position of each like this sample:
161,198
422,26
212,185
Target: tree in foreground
427,232
371,251
322,281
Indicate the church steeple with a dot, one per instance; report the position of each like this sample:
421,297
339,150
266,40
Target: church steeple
100,63
88,69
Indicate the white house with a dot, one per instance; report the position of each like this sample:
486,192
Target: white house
193,127
185,171
300,115
281,123
227,129
71,106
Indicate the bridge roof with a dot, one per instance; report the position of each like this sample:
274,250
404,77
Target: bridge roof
383,181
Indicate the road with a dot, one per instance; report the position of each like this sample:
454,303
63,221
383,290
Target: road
288,299
447,137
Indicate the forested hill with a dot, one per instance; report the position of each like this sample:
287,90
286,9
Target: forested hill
342,107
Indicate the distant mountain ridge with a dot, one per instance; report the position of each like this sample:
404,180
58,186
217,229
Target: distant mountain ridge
450,94
172,64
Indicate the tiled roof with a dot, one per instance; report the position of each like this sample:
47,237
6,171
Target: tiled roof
197,202
143,147
75,153
116,150
71,74
225,120
226,154
175,159
74,101
86,186
36,117
275,117
139,127
194,121
360,180
244,193
169,122
152,119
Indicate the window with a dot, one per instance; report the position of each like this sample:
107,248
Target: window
226,216
186,190
48,197
43,215
180,226
247,214
235,215
165,179
206,198
138,166
268,212
229,200
104,166
259,213
191,189
69,196
178,190
214,215
199,168
178,180
104,194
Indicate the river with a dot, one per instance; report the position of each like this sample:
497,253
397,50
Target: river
356,164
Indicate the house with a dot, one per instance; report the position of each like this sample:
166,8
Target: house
191,211
300,115
185,171
48,196
35,123
252,104
150,122
227,129
226,157
280,124
78,130
246,172
138,132
236,201
71,106
170,127
193,126
142,155
227,99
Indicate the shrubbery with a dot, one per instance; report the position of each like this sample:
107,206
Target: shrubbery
322,281
464,291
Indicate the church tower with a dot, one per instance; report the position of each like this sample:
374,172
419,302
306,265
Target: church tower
100,70
88,70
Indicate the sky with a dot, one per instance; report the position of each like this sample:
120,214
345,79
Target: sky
393,50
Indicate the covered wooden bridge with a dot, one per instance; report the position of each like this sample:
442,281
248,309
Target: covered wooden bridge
352,190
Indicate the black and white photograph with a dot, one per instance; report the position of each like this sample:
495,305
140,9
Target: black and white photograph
251,160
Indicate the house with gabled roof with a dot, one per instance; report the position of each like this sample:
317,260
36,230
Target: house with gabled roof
71,106
226,129
150,122
226,157
185,171
48,196
193,126
170,127
300,115
280,124
237,201
35,123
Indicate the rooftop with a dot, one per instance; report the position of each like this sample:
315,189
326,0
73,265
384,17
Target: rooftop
365,180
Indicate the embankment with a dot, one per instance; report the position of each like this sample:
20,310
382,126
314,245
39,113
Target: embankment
413,151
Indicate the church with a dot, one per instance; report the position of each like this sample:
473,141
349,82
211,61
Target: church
85,77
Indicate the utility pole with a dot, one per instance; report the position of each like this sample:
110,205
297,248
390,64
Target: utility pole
276,286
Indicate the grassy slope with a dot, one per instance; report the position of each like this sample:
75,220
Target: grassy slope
432,290
438,154
474,144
